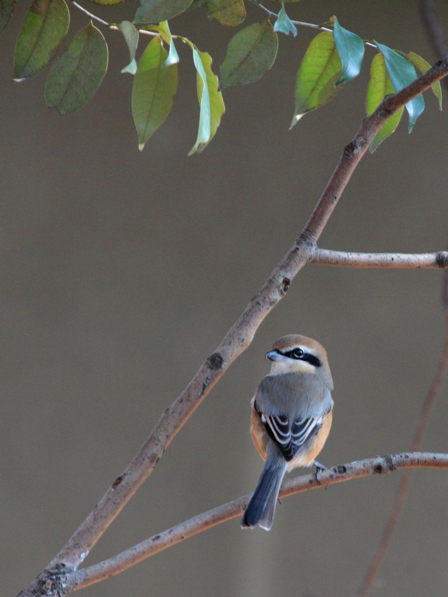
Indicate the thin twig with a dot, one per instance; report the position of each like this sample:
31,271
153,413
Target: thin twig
111,25
437,260
338,474
403,489
434,30
272,14
237,339
89,14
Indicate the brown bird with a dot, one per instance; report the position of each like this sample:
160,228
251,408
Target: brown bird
290,419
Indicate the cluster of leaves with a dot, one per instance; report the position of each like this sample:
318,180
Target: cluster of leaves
333,58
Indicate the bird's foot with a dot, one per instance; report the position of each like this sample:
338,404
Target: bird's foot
320,468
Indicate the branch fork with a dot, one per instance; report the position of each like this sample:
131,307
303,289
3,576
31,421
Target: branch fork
66,563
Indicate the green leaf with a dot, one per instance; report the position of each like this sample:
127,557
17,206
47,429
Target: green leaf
321,67
44,27
106,2
210,100
161,28
423,66
77,73
401,73
153,91
6,10
173,56
131,35
227,12
154,11
284,24
164,30
380,85
250,53
350,48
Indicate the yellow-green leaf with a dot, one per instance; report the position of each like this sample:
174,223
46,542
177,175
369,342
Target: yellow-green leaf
423,66
318,73
77,73
43,29
210,100
380,85
227,12
153,91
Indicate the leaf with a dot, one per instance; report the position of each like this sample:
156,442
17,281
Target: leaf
423,66
379,86
154,11
165,33
153,91
106,2
6,10
210,100
131,35
173,56
44,27
284,24
227,12
77,73
250,53
350,48
401,73
161,28
321,67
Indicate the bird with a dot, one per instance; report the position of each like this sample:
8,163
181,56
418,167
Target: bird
291,416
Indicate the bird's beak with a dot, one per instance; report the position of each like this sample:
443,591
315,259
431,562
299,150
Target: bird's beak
273,355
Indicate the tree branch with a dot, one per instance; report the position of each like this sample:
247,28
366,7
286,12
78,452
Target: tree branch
237,339
380,260
338,474
434,30
420,429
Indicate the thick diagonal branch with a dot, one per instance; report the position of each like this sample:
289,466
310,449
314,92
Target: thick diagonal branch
238,338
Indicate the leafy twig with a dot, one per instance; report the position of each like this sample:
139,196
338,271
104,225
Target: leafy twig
111,25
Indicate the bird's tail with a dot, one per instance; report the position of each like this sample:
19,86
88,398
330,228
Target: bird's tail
261,507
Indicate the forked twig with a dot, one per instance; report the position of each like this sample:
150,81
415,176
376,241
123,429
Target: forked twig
347,472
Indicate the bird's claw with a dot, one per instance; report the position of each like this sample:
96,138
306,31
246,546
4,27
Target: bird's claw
320,468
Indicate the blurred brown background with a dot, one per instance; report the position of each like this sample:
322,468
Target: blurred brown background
120,272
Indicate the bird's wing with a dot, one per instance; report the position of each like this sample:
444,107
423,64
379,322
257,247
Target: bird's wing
290,436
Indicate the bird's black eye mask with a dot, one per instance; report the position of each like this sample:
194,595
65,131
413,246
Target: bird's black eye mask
300,355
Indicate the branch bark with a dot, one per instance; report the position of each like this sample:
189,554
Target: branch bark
237,339
380,260
434,30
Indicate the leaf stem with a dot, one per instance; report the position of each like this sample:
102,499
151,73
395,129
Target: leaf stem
89,14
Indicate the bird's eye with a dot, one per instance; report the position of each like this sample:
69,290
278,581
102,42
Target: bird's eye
297,353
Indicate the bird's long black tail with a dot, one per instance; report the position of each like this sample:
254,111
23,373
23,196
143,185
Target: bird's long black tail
261,507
